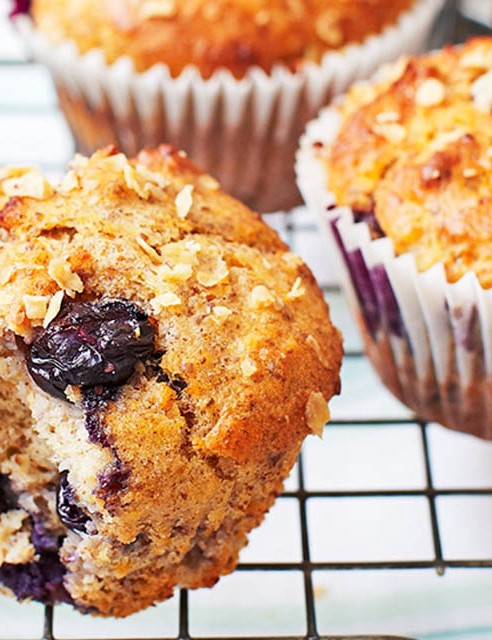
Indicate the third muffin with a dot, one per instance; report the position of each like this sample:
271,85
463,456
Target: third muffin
233,82
409,158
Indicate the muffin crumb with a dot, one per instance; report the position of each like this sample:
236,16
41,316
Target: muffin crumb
297,291
261,297
248,367
317,414
60,271
164,300
481,91
27,184
35,306
430,93
184,201
54,307
148,250
392,132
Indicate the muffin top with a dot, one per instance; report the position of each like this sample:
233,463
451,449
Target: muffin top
236,316
413,155
212,34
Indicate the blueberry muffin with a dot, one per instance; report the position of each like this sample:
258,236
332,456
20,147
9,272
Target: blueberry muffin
152,331
211,35
410,156
230,81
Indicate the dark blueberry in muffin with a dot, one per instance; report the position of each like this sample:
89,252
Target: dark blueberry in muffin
113,481
41,581
90,344
8,499
72,516
95,401
42,537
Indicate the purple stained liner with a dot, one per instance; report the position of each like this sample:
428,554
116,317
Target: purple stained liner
466,328
362,282
19,7
372,286
387,301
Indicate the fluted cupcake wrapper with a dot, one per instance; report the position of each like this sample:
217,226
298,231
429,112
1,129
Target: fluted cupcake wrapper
429,340
244,132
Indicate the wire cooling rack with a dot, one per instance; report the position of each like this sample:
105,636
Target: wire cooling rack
382,527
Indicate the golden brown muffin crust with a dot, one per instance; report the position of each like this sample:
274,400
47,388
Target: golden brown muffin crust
237,317
211,34
416,151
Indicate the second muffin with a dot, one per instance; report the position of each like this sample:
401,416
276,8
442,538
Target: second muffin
232,82
409,158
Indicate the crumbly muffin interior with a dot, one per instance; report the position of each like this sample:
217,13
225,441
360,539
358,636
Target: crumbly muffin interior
30,531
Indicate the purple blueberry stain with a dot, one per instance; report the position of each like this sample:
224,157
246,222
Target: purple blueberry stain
388,303
176,383
373,289
114,480
90,344
42,538
466,327
360,275
95,401
19,7
364,288
41,580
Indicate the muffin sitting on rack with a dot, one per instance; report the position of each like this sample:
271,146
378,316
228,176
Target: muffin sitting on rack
233,82
410,157
153,332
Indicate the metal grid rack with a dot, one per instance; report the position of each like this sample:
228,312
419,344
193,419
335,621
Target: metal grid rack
303,494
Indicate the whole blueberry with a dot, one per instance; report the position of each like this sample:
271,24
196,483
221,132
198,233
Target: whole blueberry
72,516
89,344
8,499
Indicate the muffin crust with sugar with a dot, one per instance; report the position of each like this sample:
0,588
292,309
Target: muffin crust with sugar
160,479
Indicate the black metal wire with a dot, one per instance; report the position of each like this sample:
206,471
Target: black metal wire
48,624
184,633
431,497
302,496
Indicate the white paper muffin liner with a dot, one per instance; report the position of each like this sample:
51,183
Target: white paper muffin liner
244,132
429,340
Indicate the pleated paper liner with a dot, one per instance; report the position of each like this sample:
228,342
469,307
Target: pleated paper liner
244,132
429,340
